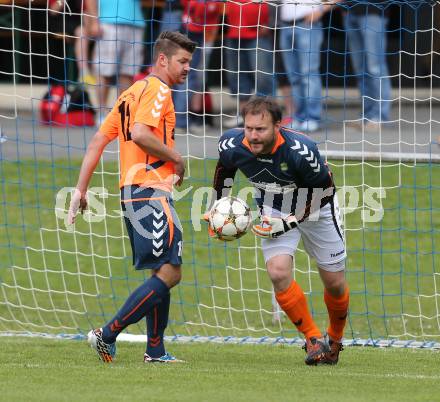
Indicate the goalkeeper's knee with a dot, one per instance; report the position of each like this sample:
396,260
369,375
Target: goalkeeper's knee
336,267
333,277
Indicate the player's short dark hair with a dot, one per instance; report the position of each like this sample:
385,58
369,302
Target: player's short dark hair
169,42
260,105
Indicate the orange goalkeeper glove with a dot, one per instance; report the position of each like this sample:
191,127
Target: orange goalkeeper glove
271,228
210,229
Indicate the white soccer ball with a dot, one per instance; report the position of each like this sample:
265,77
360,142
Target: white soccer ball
230,218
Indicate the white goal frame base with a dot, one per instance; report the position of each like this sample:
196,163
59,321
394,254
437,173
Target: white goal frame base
380,343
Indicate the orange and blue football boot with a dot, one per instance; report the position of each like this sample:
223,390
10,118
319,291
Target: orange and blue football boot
106,351
166,358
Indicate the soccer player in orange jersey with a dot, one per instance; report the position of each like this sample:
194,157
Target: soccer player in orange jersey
143,120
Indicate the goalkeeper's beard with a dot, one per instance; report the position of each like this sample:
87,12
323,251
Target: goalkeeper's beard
265,147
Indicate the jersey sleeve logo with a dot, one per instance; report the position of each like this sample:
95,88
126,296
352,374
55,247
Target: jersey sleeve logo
226,144
158,102
310,157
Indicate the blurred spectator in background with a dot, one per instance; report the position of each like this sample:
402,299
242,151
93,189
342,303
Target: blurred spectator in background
200,22
282,81
70,18
152,11
365,25
301,39
171,16
118,51
248,53
285,97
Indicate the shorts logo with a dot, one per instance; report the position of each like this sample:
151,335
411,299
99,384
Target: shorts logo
338,253
157,233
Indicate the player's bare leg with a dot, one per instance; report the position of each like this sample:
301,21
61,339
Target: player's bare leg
170,274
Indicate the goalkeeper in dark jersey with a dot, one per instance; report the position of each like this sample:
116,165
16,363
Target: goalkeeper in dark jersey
296,197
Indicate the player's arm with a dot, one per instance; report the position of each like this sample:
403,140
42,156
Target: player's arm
224,175
225,169
90,160
323,192
319,181
93,26
223,180
145,139
222,184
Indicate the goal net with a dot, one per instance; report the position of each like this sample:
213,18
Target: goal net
59,280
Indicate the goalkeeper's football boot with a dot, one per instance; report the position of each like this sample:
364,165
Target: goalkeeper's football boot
106,351
316,348
166,358
332,356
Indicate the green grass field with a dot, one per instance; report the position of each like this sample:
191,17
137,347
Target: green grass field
57,281
49,370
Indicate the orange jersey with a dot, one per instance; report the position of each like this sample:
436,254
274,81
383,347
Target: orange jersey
148,102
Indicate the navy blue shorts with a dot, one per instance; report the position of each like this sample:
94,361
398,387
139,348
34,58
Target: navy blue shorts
153,227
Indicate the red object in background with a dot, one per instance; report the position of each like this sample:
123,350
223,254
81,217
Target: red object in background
207,100
201,16
51,103
76,118
245,18
71,108
142,74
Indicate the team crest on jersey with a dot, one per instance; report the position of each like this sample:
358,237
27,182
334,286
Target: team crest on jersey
283,166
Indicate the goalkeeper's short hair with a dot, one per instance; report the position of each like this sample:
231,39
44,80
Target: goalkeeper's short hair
262,104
